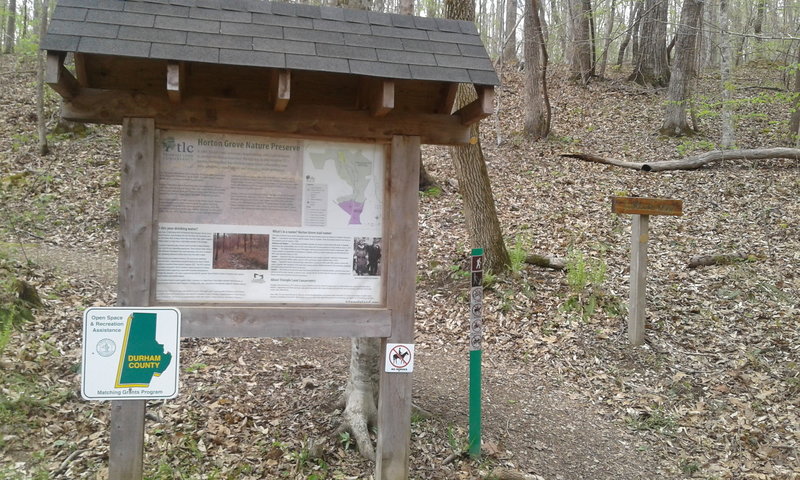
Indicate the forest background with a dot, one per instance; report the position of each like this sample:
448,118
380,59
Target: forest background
712,394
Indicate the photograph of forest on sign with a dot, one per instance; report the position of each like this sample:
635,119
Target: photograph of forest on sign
241,251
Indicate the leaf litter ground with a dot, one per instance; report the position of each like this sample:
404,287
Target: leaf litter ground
713,393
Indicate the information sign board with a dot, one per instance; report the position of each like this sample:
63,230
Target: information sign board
130,353
250,219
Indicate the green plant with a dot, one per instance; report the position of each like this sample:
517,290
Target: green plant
345,440
690,145
656,421
457,442
688,467
195,367
517,255
585,278
432,192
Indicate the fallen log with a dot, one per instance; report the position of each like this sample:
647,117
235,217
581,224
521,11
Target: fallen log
694,161
708,260
544,261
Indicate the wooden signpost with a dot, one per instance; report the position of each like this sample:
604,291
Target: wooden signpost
288,135
641,208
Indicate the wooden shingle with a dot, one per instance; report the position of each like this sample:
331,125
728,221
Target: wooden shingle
256,66
174,30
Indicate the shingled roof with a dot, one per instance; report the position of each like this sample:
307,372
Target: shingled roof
274,35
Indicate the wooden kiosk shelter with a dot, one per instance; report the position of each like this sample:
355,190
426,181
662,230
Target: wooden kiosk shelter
224,70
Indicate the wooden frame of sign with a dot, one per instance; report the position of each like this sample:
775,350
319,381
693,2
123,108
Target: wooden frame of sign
393,321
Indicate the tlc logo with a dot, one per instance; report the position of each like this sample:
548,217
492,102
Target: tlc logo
184,147
181,147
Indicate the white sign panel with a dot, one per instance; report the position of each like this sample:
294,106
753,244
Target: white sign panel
399,357
247,219
130,353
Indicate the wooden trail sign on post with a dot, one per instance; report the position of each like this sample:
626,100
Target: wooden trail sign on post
641,208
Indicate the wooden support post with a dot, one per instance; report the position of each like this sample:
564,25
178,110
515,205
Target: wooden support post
59,78
480,108
81,74
448,99
280,90
638,278
381,100
394,403
133,283
176,79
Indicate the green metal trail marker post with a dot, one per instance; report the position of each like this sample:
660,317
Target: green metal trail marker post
475,339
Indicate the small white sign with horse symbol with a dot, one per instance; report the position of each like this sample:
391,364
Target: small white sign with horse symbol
399,358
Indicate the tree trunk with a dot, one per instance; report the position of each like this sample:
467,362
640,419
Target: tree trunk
11,27
426,181
794,127
633,22
651,67
41,124
601,69
483,225
726,57
510,32
537,111
678,95
581,65
361,394
406,7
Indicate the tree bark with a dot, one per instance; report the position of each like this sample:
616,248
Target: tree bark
41,124
726,57
675,121
406,7
601,68
581,55
480,214
11,27
510,32
361,394
633,23
651,67
794,126
537,111
695,161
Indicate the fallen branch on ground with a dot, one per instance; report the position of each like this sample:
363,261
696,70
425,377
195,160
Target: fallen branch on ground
695,161
708,260
556,263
